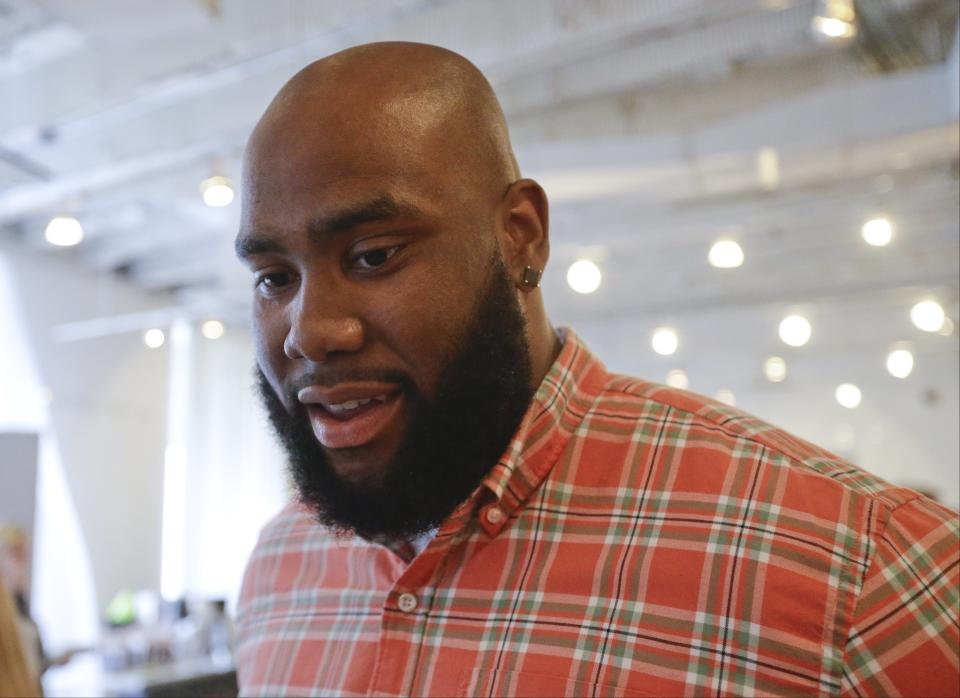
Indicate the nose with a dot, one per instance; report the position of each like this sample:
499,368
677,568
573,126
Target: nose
318,329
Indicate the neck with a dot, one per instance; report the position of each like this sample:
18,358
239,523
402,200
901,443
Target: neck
544,343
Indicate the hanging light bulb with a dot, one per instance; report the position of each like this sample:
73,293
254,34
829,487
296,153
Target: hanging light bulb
836,19
677,378
726,396
665,341
725,254
216,191
63,231
154,338
584,276
928,316
795,330
848,395
775,369
900,363
877,231
212,329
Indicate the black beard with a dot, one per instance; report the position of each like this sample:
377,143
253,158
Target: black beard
483,391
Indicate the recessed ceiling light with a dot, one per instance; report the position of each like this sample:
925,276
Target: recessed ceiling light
928,316
725,254
947,329
900,363
677,378
664,341
795,330
216,191
153,338
584,276
63,231
775,369
877,231
848,395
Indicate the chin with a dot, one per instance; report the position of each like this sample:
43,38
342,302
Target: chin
359,466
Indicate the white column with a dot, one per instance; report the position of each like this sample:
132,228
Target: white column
172,572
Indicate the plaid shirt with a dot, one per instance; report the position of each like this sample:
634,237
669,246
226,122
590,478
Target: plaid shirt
633,541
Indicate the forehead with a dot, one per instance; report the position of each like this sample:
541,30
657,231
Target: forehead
295,168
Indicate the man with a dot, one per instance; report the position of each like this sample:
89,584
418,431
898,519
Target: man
483,509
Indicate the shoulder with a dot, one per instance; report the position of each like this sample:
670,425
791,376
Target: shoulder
692,453
716,433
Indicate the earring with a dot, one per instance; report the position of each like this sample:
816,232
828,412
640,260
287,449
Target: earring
530,278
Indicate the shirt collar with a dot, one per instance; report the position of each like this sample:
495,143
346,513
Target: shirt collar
559,405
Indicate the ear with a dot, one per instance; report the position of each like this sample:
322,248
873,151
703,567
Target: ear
523,228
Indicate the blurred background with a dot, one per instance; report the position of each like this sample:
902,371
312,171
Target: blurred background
753,199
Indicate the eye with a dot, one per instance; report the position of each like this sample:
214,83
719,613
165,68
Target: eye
270,283
374,259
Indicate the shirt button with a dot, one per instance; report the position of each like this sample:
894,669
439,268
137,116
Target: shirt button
494,515
407,602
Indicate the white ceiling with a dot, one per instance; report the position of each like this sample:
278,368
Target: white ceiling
642,118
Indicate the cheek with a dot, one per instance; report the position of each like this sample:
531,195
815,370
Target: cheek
269,334
424,323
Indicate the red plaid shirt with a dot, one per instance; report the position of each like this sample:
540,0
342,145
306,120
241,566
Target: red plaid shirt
633,540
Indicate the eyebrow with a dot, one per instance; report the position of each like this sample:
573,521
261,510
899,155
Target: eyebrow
381,208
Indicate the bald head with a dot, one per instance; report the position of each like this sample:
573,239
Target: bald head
395,96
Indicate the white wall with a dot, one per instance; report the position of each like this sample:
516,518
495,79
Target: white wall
235,473
106,415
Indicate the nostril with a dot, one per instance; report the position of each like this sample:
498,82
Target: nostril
319,338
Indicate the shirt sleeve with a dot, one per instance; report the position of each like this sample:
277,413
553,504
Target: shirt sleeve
905,635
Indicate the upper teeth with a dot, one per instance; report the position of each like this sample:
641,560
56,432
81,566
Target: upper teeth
354,404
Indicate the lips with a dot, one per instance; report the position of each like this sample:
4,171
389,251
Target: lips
351,414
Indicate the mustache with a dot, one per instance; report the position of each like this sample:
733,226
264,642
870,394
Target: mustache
329,377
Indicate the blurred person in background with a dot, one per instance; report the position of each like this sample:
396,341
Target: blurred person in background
18,667
15,576
16,676
483,509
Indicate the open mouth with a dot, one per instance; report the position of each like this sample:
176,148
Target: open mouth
353,408
354,422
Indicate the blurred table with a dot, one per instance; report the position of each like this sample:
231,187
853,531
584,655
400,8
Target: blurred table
84,676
